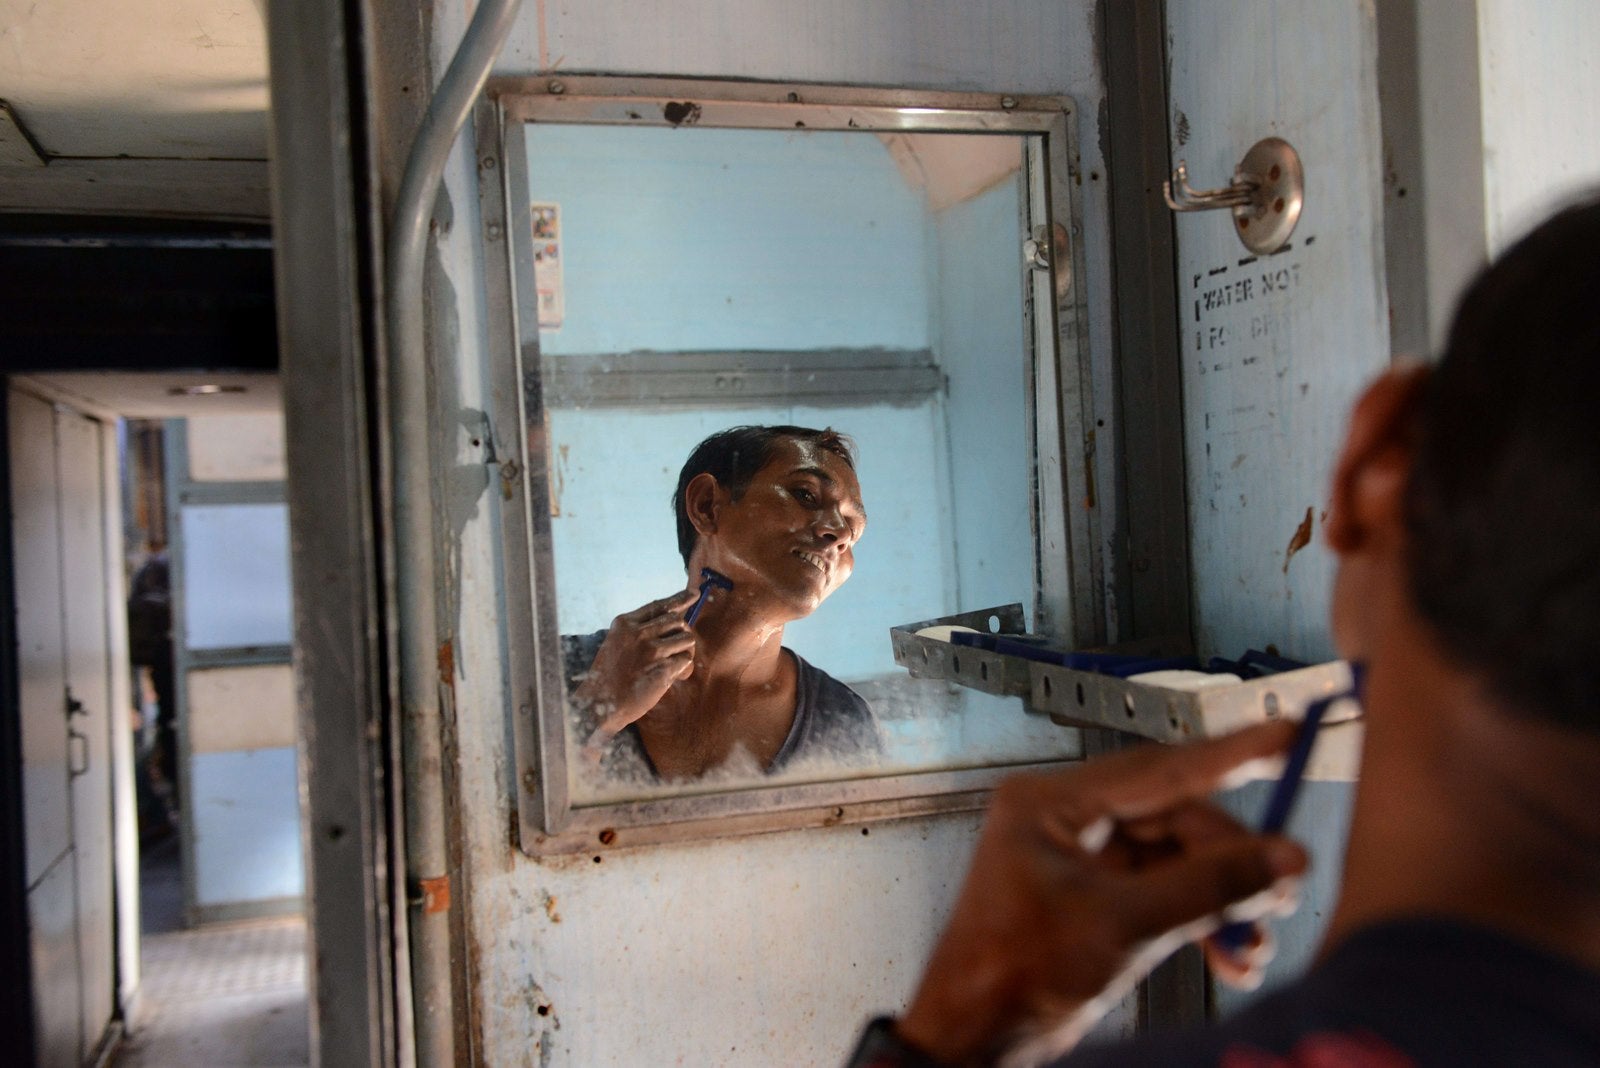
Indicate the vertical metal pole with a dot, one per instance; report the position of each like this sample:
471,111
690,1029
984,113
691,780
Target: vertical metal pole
425,667
175,474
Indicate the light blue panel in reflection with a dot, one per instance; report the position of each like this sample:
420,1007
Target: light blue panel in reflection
236,575
616,543
246,826
981,348
699,239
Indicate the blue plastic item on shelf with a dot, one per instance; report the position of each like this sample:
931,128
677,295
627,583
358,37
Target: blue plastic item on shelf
1029,647
1100,663
1144,664
1254,664
1270,663
972,639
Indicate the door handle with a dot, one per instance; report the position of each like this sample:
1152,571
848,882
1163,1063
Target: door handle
77,744
1266,194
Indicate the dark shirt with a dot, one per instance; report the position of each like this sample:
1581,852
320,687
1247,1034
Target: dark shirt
150,614
831,721
1415,992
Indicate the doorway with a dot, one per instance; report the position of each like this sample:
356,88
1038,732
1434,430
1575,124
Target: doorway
190,949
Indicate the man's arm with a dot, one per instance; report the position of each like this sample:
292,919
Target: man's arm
644,652
1082,881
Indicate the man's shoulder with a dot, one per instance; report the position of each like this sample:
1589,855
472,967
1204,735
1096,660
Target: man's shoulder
1392,995
579,650
832,722
828,695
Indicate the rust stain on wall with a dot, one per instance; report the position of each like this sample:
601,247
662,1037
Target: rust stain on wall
435,894
447,663
558,480
681,112
1301,538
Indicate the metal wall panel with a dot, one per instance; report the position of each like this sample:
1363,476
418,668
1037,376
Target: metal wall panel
246,833
86,583
36,538
241,708
238,447
1541,109
1276,348
235,575
53,938
801,935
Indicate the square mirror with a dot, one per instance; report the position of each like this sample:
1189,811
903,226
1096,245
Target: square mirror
862,306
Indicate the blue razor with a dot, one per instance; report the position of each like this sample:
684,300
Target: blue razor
1233,937
709,580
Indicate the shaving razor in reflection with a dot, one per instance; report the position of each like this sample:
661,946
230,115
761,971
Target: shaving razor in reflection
1234,937
709,580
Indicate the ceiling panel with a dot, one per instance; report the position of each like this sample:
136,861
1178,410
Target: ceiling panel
166,396
143,106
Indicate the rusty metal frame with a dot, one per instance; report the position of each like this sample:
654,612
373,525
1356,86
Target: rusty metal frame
549,822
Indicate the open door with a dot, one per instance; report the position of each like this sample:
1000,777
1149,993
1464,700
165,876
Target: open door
59,532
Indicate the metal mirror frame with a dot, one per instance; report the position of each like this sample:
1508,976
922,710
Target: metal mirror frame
1069,597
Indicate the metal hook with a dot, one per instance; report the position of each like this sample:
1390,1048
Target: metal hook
1237,193
1266,194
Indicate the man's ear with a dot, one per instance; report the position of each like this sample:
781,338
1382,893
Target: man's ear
1369,483
703,499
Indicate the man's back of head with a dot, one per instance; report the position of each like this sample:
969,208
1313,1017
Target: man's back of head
1464,512
1503,508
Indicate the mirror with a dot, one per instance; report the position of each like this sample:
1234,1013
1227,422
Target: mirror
883,279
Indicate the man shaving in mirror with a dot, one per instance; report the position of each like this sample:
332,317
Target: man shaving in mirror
776,511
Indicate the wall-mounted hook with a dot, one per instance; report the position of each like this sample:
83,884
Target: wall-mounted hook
1266,194
1187,198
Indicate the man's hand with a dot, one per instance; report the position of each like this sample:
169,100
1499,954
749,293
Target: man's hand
1084,880
645,651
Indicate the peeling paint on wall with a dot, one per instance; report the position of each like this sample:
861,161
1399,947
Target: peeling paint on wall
1299,540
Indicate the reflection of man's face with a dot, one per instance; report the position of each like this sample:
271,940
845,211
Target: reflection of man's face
792,533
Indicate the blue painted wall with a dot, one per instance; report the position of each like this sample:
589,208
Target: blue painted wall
246,826
979,318
236,575
982,341
700,239
245,804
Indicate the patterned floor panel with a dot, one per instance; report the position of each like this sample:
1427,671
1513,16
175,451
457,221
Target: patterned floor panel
223,996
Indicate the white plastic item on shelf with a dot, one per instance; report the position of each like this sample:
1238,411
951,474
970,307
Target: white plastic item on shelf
1184,679
942,632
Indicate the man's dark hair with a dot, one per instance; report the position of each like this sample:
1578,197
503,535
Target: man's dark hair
734,455
1503,506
